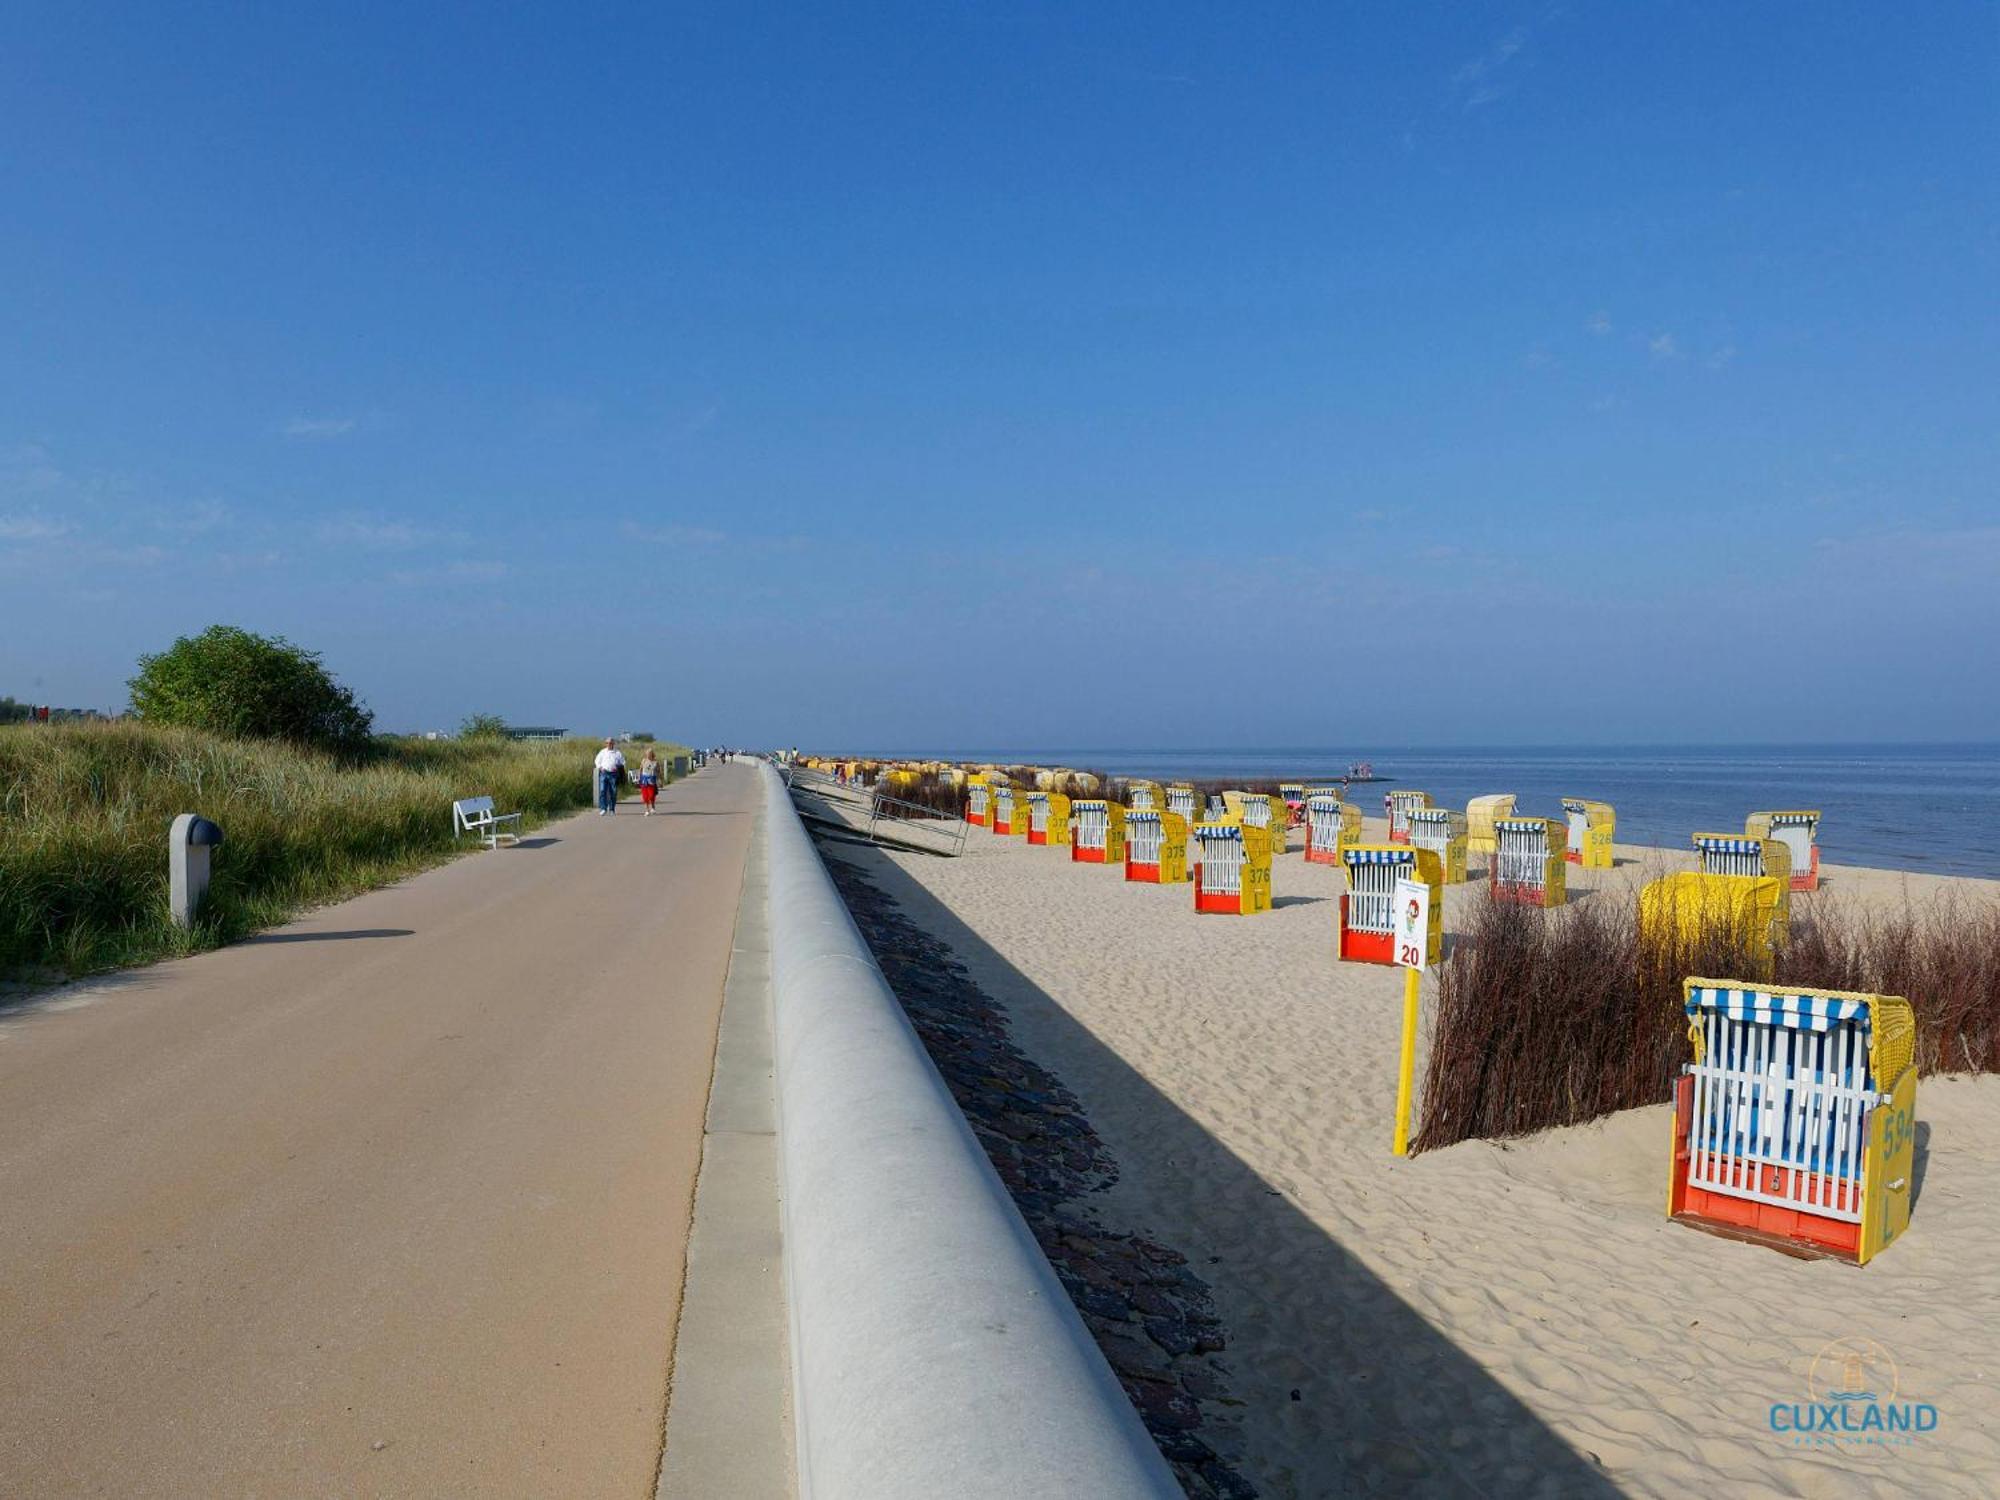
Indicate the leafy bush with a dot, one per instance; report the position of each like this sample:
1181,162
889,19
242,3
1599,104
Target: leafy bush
229,681
483,727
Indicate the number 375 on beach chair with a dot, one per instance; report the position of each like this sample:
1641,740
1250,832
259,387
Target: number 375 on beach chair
1156,846
1795,1125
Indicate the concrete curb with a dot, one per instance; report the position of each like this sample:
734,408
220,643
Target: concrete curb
728,1429
933,1350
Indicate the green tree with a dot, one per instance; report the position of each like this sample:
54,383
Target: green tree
483,727
229,681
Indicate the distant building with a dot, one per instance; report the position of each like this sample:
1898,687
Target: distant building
535,732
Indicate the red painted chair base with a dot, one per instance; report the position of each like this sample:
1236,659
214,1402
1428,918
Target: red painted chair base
1793,1230
1082,856
1136,871
1365,947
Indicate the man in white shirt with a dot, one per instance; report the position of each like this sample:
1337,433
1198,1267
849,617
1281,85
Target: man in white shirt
609,765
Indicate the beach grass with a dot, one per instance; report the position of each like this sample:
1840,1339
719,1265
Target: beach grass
85,810
1550,1018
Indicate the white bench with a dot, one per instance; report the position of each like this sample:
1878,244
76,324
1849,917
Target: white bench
475,815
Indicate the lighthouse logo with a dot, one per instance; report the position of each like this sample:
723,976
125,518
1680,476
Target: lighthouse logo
1855,1399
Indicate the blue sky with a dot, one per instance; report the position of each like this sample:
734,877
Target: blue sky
1109,374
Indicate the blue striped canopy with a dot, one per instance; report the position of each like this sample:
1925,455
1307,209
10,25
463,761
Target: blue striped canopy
1721,844
1574,804
1521,825
1793,819
1143,815
1220,831
1805,1012
1380,857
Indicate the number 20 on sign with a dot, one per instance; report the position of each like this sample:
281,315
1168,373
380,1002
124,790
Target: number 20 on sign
1412,928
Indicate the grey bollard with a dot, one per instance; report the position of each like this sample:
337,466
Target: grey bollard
187,864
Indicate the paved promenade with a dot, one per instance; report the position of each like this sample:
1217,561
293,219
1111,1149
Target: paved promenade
390,1201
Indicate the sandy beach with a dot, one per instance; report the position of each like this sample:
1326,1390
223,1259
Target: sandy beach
1493,1318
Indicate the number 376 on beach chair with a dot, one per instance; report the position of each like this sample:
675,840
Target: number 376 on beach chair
1795,1125
1235,870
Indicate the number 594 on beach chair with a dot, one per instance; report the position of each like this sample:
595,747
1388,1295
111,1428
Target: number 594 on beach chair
1795,1125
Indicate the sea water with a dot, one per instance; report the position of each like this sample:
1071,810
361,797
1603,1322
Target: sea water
1932,808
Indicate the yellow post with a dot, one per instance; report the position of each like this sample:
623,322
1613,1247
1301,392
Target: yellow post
1407,1069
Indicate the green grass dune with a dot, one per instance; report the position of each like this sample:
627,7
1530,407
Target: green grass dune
85,808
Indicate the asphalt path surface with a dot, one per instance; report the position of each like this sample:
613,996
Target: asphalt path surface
392,1201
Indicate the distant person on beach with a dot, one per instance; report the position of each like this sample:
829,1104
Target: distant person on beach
610,771
649,779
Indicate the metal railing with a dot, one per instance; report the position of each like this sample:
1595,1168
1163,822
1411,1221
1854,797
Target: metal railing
946,834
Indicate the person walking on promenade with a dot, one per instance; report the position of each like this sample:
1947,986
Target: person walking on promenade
649,779
610,771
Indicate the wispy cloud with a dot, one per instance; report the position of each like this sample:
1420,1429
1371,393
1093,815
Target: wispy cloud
1600,323
318,427
1722,356
197,518
31,528
677,536
703,539
1663,346
1479,82
1537,359
694,423
375,535
1918,555
466,570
